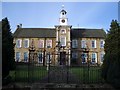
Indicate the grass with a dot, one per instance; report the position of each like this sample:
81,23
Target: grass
91,75
36,73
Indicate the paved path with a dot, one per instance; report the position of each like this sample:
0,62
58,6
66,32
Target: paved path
53,86
60,74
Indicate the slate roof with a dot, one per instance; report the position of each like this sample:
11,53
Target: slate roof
35,32
51,33
63,11
87,33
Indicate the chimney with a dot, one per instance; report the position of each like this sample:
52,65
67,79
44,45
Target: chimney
19,26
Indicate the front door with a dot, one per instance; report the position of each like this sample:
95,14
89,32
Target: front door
62,58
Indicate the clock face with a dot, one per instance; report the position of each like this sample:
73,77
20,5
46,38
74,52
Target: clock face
63,20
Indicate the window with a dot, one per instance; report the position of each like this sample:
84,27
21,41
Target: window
40,57
83,44
84,57
102,44
17,56
74,55
26,56
102,56
93,43
41,44
48,57
63,41
63,31
94,58
26,43
49,43
18,43
74,44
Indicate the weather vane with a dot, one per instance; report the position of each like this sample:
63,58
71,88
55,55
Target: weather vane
62,6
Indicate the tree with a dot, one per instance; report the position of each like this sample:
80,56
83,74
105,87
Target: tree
8,62
111,64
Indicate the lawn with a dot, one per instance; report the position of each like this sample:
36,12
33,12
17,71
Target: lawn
24,73
36,73
87,75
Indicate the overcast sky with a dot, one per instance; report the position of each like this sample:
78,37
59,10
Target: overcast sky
46,14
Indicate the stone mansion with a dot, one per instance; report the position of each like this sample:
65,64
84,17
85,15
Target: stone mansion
61,45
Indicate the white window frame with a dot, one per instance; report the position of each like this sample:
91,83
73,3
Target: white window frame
20,42
95,57
102,44
83,44
16,56
74,55
27,57
48,44
102,57
64,40
27,43
41,57
41,43
84,57
94,43
74,43
47,57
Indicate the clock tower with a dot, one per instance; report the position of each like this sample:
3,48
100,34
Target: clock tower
63,20
63,42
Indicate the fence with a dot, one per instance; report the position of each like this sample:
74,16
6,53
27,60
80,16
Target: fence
30,73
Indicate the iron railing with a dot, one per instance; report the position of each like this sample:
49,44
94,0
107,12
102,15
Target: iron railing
30,73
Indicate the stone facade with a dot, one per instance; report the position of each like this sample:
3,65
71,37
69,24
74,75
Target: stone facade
62,45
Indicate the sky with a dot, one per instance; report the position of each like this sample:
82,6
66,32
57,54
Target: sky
46,14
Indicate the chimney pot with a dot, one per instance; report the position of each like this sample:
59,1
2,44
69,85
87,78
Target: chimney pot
20,25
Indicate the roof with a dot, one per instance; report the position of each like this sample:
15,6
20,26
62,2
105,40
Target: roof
63,11
51,33
35,32
87,33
